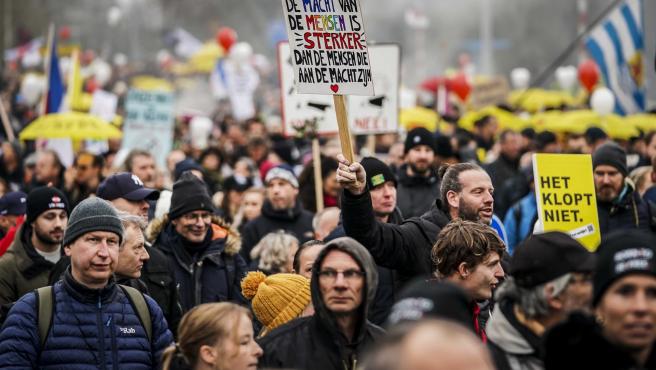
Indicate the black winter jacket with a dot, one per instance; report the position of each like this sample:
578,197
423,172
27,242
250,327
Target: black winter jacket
415,193
157,274
297,221
629,212
406,247
578,343
213,275
316,343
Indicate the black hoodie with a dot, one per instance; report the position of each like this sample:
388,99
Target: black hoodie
316,342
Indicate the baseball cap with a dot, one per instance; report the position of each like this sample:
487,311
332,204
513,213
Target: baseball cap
125,185
544,257
13,203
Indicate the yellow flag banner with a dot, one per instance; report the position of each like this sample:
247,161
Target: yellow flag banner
565,194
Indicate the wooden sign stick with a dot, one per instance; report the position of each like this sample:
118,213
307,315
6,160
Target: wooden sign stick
343,127
318,180
6,123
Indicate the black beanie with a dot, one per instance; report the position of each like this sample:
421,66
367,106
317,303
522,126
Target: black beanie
377,172
189,194
419,136
611,154
622,253
43,199
431,299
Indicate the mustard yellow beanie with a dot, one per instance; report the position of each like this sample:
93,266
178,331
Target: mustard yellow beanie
276,299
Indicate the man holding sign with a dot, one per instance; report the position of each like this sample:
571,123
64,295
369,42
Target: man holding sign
619,205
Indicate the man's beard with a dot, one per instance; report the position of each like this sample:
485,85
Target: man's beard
382,214
45,238
418,171
465,212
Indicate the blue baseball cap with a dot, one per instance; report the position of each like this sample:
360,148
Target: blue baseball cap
13,203
125,185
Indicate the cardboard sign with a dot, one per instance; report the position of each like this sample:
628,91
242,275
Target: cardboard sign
329,47
491,91
149,123
367,115
566,198
379,114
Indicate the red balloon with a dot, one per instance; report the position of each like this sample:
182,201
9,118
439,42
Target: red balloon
226,37
588,74
64,32
459,86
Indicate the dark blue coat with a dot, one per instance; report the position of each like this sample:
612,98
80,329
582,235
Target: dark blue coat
212,275
91,329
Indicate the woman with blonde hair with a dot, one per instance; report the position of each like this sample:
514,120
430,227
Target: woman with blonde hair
214,336
275,253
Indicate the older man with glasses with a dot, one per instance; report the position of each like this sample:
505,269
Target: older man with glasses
344,279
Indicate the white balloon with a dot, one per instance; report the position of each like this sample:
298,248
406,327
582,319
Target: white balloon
566,77
120,60
101,71
602,101
520,78
114,15
31,88
241,52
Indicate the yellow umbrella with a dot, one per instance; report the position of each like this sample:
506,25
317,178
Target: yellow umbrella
419,117
205,59
536,100
644,121
507,120
150,83
73,125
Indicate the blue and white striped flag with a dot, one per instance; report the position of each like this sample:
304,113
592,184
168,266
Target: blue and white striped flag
617,46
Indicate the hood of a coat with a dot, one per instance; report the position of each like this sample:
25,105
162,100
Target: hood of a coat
360,254
220,229
501,332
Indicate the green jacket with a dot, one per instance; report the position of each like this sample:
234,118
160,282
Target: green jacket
22,269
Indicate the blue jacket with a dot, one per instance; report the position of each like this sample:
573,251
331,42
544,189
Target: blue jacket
519,220
90,329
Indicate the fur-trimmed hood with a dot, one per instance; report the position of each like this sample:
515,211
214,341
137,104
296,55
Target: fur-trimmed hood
220,229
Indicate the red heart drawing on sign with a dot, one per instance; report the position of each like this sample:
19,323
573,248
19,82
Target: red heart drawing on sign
334,88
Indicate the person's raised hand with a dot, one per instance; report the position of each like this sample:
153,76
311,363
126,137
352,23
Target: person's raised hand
351,176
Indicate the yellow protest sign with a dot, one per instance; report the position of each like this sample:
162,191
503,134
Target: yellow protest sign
565,194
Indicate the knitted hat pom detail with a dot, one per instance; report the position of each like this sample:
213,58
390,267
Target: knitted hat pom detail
251,283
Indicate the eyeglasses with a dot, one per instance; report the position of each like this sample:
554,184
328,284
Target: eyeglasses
349,275
196,216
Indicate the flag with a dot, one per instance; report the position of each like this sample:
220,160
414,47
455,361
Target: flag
55,91
617,46
74,88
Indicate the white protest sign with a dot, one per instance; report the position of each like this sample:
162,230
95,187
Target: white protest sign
367,115
149,123
380,113
329,47
299,108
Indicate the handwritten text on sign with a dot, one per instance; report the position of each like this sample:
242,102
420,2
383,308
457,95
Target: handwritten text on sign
329,47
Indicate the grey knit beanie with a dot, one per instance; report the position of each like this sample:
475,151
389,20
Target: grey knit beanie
92,214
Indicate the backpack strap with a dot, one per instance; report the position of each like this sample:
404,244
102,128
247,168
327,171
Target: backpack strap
138,302
45,309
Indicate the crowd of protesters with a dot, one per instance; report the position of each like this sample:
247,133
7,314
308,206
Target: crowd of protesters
428,253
